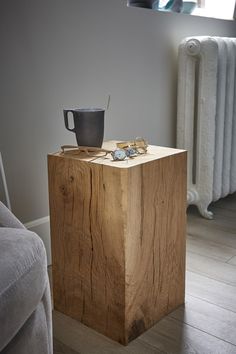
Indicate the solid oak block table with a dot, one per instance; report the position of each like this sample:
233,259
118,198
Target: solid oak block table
118,239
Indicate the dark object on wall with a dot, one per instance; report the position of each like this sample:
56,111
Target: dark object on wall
177,6
170,6
189,6
140,3
88,125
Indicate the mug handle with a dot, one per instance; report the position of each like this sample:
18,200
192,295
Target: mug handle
65,111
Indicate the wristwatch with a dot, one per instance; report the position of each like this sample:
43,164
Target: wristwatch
118,154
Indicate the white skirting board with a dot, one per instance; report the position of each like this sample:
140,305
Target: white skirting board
42,228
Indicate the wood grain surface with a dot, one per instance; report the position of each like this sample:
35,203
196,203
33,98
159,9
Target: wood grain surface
198,327
118,242
155,242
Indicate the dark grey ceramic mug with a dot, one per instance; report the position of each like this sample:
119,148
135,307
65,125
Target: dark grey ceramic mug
88,125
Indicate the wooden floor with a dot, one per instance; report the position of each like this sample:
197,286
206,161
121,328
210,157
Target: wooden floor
207,322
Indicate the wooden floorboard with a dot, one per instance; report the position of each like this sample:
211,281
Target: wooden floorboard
208,318
174,336
208,230
232,261
209,248
227,203
210,290
207,322
87,341
211,268
60,348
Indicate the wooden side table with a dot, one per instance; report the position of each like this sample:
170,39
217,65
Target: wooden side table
118,239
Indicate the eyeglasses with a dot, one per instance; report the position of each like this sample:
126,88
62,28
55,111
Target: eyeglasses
125,149
87,151
139,145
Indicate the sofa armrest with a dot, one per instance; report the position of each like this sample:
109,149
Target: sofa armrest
7,219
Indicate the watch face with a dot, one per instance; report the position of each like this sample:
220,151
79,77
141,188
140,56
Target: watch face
119,155
130,152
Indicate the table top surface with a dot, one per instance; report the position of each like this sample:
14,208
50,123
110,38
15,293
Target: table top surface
153,153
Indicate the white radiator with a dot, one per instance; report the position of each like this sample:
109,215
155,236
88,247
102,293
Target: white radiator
206,119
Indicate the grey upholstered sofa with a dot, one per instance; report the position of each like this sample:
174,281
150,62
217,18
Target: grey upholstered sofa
25,304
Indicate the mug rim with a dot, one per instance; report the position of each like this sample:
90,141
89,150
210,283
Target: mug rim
89,110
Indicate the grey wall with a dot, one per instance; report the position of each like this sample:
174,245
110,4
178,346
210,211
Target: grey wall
73,53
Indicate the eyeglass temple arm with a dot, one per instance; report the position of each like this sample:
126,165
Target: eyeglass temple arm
84,148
